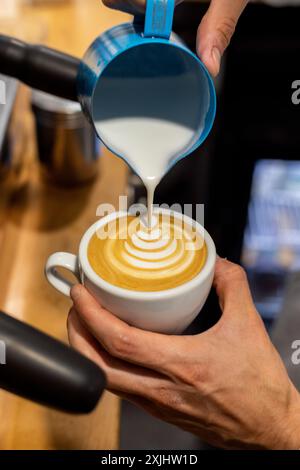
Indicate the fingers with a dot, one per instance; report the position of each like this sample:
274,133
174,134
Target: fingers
81,339
152,350
233,289
216,30
122,378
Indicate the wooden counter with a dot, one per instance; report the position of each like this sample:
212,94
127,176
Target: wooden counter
37,219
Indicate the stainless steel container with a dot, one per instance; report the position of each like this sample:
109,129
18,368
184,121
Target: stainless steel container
68,147
8,89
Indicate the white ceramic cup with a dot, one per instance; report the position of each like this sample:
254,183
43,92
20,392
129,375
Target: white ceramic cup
168,311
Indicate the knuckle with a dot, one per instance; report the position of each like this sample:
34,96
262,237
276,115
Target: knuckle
121,345
169,398
205,20
236,272
200,374
226,29
196,375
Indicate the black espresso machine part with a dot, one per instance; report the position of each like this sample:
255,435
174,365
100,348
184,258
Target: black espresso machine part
42,369
39,67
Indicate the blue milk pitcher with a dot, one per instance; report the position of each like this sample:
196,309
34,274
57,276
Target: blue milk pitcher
143,69
139,70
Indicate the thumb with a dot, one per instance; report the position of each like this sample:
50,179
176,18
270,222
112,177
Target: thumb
216,30
232,288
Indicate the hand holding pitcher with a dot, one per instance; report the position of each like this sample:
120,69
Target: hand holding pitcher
214,32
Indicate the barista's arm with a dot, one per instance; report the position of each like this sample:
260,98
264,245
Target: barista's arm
228,385
215,29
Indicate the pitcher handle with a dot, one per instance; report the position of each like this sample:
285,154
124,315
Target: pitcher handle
159,18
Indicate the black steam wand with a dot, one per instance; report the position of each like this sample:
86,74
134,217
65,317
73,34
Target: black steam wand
39,67
42,369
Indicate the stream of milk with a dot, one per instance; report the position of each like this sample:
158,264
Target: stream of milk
149,145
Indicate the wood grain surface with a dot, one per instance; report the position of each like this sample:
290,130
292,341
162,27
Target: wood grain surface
37,219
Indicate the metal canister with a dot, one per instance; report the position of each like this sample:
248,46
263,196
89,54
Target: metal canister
68,148
8,89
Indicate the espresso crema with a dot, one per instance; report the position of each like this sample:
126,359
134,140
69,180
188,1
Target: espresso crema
128,254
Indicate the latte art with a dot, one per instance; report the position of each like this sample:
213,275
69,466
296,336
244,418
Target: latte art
128,254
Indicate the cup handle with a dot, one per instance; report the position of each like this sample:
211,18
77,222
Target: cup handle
62,260
159,18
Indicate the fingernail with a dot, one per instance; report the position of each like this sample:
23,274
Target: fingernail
216,55
75,292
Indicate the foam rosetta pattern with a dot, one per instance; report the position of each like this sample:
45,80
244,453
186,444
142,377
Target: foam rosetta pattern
128,254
